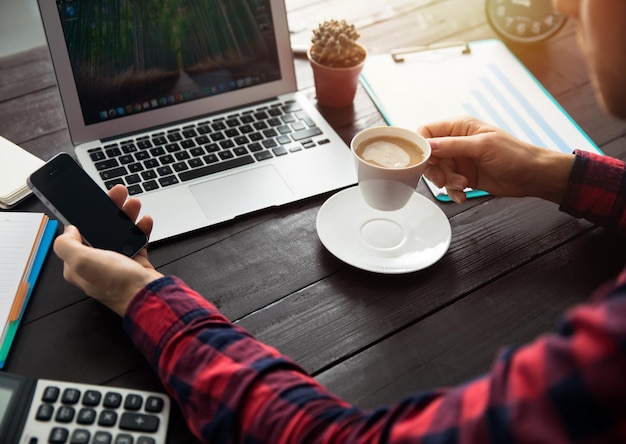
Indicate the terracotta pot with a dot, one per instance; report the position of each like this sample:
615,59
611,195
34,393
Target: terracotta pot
335,87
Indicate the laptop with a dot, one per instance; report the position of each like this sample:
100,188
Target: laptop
192,105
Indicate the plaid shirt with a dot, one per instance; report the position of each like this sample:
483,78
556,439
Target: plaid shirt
569,386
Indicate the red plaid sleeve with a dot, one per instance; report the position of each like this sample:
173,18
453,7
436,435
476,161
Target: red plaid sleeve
563,387
597,190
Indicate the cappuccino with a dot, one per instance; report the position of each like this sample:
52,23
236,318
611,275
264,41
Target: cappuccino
390,152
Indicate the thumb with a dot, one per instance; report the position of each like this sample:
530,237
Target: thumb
67,243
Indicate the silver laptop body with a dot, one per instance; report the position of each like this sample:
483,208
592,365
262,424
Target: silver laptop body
195,109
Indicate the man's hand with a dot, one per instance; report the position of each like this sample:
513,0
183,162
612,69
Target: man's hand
469,153
107,276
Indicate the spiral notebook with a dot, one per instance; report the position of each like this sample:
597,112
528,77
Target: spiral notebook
484,79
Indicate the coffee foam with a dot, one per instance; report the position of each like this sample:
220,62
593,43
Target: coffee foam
386,154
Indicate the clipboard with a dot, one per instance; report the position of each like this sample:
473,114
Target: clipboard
414,86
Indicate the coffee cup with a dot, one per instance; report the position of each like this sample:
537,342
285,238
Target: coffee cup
390,162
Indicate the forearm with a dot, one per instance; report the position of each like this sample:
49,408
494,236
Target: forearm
549,177
232,388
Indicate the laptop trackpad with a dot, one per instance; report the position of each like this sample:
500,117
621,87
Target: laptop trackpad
227,197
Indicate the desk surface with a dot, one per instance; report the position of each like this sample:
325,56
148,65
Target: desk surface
513,265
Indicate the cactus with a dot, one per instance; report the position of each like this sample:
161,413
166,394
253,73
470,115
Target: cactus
334,45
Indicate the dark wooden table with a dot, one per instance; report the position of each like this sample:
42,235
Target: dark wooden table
513,265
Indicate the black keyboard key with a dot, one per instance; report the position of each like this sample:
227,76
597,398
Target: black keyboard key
216,137
106,164
159,140
96,155
173,147
158,151
147,175
144,144
58,435
133,402
113,152
182,155
44,412
129,148
218,126
291,107
126,159
51,394
114,173
269,143
112,400
164,170
240,151
167,159
210,158
261,115
80,436
216,167
135,167
254,147
107,418
226,144
168,180
151,163
270,132
150,185
154,404
246,118
180,166
306,134
134,190
232,122
245,129
225,155
189,133
111,183
202,140
174,137
139,422
132,179
86,416
195,162
65,414
212,147
142,155
279,151
263,155
189,143
197,151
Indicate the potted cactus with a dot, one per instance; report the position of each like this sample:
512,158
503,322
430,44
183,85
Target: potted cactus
337,60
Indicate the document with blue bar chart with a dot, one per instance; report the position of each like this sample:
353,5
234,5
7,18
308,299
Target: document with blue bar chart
483,79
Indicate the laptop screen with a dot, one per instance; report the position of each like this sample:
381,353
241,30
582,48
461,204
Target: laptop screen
133,56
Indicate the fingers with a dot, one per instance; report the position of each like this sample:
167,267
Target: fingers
132,208
118,194
463,126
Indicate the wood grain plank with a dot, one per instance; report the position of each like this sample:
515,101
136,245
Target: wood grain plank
460,342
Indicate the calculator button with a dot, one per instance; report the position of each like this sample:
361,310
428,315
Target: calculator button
80,436
50,394
58,435
133,402
70,396
102,438
91,398
124,438
65,414
112,400
107,418
139,422
145,440
44,412
154,404
86,416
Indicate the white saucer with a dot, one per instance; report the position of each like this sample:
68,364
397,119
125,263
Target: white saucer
391,242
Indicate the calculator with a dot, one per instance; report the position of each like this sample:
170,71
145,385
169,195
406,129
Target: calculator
44,411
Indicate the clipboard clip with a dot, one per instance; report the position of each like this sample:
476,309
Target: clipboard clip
398,54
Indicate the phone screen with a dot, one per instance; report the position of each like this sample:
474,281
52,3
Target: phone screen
64,187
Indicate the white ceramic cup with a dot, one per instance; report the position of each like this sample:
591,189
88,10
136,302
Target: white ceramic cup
388,188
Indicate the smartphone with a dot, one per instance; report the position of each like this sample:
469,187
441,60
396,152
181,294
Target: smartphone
74,198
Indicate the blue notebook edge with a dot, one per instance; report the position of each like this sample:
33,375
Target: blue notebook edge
42,252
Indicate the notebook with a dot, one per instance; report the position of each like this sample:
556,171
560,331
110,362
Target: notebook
192,105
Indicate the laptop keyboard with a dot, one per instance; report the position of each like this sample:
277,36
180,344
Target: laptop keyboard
194,150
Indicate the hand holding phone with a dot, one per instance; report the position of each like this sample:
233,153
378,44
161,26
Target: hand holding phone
75,199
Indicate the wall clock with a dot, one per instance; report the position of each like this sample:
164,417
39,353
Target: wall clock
523,21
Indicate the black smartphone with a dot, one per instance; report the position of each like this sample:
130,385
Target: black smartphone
74,198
